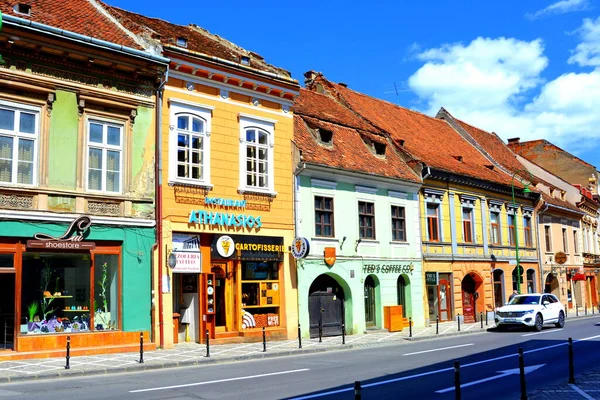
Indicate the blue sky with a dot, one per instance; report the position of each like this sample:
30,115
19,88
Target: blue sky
520,68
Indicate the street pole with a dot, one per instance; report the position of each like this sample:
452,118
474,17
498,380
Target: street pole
516,231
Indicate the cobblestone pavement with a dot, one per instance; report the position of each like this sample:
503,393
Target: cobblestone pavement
587,385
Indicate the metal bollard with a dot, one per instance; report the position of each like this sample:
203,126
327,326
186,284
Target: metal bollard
457,394
486,318
522,374
299,337
409,326
67,366
458,320
207,344
585,308
141,347
264,340
481,319
320,330
357,390
437,325
593,309
577,311
566,312
343,333
571,364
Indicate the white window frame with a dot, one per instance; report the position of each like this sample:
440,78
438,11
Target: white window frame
204,113
105,147
18,107
267,125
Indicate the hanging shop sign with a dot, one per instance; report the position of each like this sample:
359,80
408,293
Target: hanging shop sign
72,239
560,257
300,247
186,249
329,256
246,247
431,278
578,277
381,268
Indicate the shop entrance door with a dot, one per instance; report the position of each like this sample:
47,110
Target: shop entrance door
370,301
468,298
224,279
325,307
7,311
444,300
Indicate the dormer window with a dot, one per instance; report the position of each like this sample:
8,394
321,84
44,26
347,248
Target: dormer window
490,167
181,42
325,136
245,60
22,8
379,148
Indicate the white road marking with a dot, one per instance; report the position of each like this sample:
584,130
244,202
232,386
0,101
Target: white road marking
218,381
581,392
404,378
541,333
439,349
504,373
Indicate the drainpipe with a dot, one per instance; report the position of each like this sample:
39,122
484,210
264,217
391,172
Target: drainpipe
539,234
158,173
296,209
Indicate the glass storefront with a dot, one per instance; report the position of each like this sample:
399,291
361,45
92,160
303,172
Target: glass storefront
260,294
69,292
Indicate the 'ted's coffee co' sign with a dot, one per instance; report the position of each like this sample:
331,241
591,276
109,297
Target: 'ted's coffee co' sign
72,239
243,247
388,268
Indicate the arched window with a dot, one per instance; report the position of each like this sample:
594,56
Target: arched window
531,281
190,147
256,154
189,144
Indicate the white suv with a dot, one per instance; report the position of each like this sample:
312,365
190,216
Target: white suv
533,310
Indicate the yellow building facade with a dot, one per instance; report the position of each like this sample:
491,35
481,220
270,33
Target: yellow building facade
469,249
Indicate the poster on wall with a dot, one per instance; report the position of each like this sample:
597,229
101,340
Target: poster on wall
186,249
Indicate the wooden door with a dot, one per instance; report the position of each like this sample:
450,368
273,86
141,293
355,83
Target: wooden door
370,301
444,300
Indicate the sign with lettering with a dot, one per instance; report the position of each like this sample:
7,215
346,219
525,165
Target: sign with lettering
247,247
560,257
381,268
203,217
219,201
186,249
72,239
300,247
431,278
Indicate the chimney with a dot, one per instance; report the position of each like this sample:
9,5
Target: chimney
309,77
514,140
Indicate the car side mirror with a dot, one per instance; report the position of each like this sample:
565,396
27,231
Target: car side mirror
546,302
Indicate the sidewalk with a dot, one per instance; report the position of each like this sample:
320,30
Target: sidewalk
189,354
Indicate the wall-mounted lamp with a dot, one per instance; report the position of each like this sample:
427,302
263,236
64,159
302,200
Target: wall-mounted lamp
357,243
342,243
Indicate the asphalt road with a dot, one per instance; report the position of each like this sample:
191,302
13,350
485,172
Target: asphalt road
412,370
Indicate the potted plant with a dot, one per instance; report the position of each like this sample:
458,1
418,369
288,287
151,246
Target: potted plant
32,309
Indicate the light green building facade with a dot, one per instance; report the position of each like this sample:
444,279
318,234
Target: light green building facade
367,274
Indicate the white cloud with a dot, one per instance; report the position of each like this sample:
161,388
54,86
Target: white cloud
587,53
560,7
496,84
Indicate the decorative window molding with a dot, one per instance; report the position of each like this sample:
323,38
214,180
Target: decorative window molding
189,143
257,166
467,201
320,183
433,195
365,189
398,195
495,205
527,211
19,135
511,209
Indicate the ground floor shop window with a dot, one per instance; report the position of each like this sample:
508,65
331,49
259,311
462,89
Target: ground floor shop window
260,294
69,292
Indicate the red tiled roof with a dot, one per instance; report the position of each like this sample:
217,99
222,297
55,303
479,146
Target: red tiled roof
494,146
543,150
560,203
348,150
429,139
198,39
78,16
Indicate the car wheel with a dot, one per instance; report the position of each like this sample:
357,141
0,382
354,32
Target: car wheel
539,322
561,320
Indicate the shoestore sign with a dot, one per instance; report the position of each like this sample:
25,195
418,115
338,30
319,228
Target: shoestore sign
72,239
384,268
